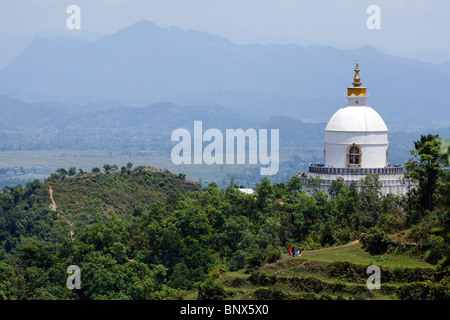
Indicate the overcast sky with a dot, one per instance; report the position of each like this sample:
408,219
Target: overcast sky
406,25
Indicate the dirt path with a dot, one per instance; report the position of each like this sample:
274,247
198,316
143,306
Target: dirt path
53,207
331,248
53,204
323,249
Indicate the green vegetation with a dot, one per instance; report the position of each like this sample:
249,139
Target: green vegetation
304,278
146,233
356,254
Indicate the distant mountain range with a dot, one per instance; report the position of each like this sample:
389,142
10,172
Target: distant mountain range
144,64
34,126
156,118
11,46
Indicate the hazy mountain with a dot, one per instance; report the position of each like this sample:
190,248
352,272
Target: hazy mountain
18,115
144,64
161,118
25,126
429,56
156,118
11,46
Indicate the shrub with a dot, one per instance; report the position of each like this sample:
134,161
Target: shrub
273,255
269,294
346,271
237,260
413,274
307,284
437,249
237,282
387,289
211,289
218,270
343,235
260,278
256,260
423,291
375,241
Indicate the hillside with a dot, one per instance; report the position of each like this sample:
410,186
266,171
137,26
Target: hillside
147,234
90,197
332,273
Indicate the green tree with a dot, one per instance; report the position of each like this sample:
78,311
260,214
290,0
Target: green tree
370,203
119,252
314,184
264,191
72,171
326,235
295,184
144,289
255,260
425,167
444,226
437,249
178,279
336,187
6,202
375,241
6,287
211,289
62,172
347,207
104,278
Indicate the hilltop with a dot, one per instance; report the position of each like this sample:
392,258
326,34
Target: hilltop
91,197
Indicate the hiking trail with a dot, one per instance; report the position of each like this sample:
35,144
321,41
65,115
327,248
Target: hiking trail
332,248
53,207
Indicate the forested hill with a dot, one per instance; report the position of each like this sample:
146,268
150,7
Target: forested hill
69,199
89,197
145,233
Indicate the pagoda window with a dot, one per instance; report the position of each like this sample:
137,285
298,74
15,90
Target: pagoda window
354,156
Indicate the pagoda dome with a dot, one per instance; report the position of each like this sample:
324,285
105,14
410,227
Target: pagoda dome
356,119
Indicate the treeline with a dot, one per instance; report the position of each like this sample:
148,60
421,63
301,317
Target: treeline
183,238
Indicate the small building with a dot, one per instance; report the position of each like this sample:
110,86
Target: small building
246,190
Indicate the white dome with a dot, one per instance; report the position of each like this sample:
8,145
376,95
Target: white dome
356,119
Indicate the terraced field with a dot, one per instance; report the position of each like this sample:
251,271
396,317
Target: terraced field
333,273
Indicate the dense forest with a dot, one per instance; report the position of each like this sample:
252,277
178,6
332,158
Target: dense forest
144,233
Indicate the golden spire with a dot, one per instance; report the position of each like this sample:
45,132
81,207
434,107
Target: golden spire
357,89
356,79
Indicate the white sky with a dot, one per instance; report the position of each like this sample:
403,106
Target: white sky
406,25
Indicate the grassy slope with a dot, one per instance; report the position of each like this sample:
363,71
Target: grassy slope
354,253
313,263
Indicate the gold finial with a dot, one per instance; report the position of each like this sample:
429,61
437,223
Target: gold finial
356,80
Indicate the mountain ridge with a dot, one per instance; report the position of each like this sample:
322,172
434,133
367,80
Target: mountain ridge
144,64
